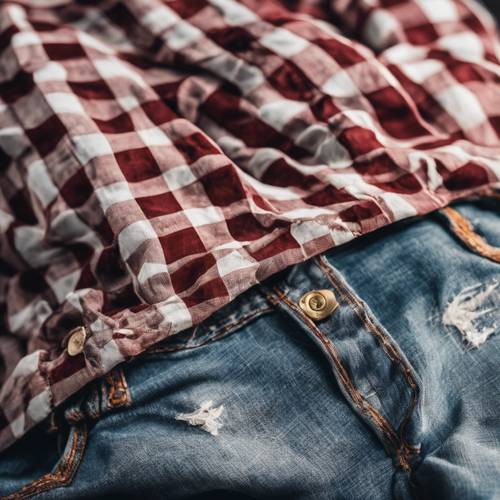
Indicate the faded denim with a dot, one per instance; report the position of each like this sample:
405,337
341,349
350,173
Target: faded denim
386,398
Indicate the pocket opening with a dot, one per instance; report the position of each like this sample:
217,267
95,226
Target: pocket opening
64,471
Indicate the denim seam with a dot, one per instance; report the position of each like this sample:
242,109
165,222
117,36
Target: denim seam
342,293
464,231
118,393
226,330
387,346
254,302
358,399
66,469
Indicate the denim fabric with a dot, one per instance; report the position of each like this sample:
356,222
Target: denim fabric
385,398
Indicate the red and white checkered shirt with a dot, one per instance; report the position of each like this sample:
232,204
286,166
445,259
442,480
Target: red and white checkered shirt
158,158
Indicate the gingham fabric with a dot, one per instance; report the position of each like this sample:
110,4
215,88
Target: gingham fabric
159,158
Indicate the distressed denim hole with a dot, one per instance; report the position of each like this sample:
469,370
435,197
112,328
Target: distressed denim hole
475,312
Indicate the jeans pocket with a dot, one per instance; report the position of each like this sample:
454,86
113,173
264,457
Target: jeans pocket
58,445
477,226
63,472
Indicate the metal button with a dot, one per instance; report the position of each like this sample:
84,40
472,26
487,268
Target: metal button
76,340
318,304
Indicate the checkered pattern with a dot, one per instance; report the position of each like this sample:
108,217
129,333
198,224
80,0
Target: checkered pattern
159,158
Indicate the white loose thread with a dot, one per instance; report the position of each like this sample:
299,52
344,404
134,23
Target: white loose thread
204,417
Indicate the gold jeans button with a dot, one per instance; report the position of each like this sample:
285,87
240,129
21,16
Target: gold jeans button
318,304
76,341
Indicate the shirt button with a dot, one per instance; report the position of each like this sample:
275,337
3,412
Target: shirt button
318,304
76,340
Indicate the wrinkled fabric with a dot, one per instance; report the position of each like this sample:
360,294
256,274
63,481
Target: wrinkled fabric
381,400
160,158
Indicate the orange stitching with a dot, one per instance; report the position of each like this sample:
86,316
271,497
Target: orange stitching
384,340
464,230
357,397
64,473
387,346
235,324
119,394
60,476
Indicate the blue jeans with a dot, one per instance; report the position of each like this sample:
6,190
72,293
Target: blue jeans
395,394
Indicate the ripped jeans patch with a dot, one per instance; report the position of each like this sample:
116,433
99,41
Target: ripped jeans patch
475,312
